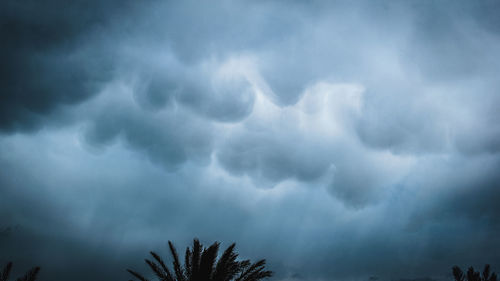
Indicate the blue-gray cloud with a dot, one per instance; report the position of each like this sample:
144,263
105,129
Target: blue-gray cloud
338,140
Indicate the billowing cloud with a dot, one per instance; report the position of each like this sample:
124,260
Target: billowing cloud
338,140
49,58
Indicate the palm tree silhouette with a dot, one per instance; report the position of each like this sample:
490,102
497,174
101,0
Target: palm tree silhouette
472,275
201,264
29,276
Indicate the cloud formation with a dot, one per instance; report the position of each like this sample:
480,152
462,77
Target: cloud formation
337,140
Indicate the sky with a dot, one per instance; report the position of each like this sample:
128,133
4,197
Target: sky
340,140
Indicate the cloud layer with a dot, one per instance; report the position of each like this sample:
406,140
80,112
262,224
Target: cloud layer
337,140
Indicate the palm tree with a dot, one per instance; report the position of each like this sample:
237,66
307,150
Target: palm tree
201,264
29,276
474,275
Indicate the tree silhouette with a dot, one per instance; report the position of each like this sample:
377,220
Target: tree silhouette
29,276
201,264
472,275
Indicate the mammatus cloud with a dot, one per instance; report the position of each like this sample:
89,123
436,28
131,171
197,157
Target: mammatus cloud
339,141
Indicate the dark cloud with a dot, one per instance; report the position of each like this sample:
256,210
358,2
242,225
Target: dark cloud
223,99
468,191
402,119
337,140
98,214
51,57
449,31
263,157
168,139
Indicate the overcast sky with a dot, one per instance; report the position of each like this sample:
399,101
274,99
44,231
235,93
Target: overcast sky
340,141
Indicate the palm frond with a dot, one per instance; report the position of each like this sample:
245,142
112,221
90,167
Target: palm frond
6,272
245,264
187,264
227,266
164,269
162,275
30,275
251,272
203,264
486,272
137,275
258,274
458,274
493,277
207,260
472,275
195,260
179,273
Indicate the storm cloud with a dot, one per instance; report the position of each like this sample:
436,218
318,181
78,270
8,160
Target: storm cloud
341,141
